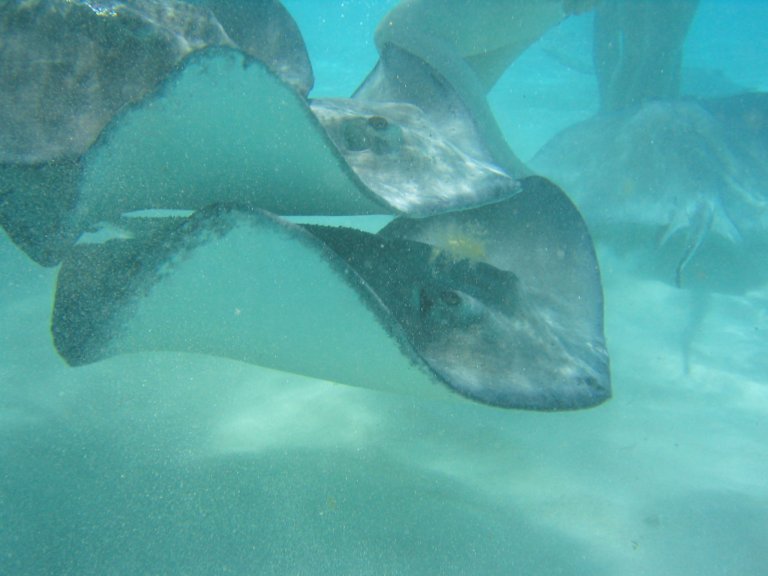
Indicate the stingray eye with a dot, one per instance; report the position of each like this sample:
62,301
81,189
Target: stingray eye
353,135
450,298
424,301
378,123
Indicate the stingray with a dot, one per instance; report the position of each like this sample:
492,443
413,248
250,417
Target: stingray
150,139
458,301
682,181
485,283
68,68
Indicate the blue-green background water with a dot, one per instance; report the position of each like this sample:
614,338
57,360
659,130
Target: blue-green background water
176,464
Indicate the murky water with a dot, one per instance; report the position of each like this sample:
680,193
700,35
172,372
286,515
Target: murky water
162,463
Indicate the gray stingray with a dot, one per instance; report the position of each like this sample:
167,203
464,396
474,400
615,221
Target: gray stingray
150,139
685,180
458,300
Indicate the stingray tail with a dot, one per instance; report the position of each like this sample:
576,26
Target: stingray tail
699,303
36,203
698,226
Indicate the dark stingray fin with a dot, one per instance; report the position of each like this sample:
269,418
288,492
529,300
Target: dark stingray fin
36,202
49,112
544,347
66,68
265,30
391,310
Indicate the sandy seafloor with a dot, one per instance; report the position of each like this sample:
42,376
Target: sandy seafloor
185,465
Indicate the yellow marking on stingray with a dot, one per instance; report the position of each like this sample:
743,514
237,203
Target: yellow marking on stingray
462,242
467,247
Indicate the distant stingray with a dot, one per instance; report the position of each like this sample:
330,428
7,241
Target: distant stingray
686,181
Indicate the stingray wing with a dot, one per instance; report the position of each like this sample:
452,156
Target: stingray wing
238,283
538,344
439,82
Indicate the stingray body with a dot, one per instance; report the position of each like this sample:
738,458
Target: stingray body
67,69
683,181
393,311
484,284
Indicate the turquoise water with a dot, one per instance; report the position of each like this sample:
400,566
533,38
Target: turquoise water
176,464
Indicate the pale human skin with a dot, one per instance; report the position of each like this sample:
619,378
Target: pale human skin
638,50
637,43
488,34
